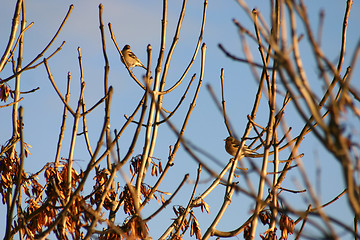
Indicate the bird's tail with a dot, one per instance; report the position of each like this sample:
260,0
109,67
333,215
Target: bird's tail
142,65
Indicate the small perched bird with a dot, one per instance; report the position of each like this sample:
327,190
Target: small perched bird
130,58
232,145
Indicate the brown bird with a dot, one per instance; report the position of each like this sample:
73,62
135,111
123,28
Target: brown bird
130,58
232,145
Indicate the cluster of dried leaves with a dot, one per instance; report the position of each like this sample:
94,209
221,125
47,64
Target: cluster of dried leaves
45,202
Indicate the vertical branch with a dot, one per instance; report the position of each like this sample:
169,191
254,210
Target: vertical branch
344,30
152,130
269,129
110,181
162,42
145,155
274,206
160,97
171,157
275,36
11,200
356,220
345,85
263,173
14,27
17,80
85,129
136,195
265,60
181,132
11,206
173,45
75,126
62,128
227,123
72,143
106,77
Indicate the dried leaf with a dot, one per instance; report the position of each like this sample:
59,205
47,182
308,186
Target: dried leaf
160,168
206,206
153,170
157,199
265,217
26,148
4,92
287,226
195,229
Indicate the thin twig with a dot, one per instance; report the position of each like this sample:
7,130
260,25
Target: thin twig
56,88
43,51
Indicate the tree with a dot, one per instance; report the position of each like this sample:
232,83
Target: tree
112,194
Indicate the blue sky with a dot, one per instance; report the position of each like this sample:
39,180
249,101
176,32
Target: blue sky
138,23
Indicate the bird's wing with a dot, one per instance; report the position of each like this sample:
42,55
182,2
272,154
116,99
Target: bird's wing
132,55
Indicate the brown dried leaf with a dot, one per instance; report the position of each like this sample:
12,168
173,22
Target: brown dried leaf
26,148
4,92
153,170
265,217
287,226
206,206
157,199
160,168
195,229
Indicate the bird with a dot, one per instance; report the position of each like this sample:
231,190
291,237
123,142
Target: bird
232,145
130,58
